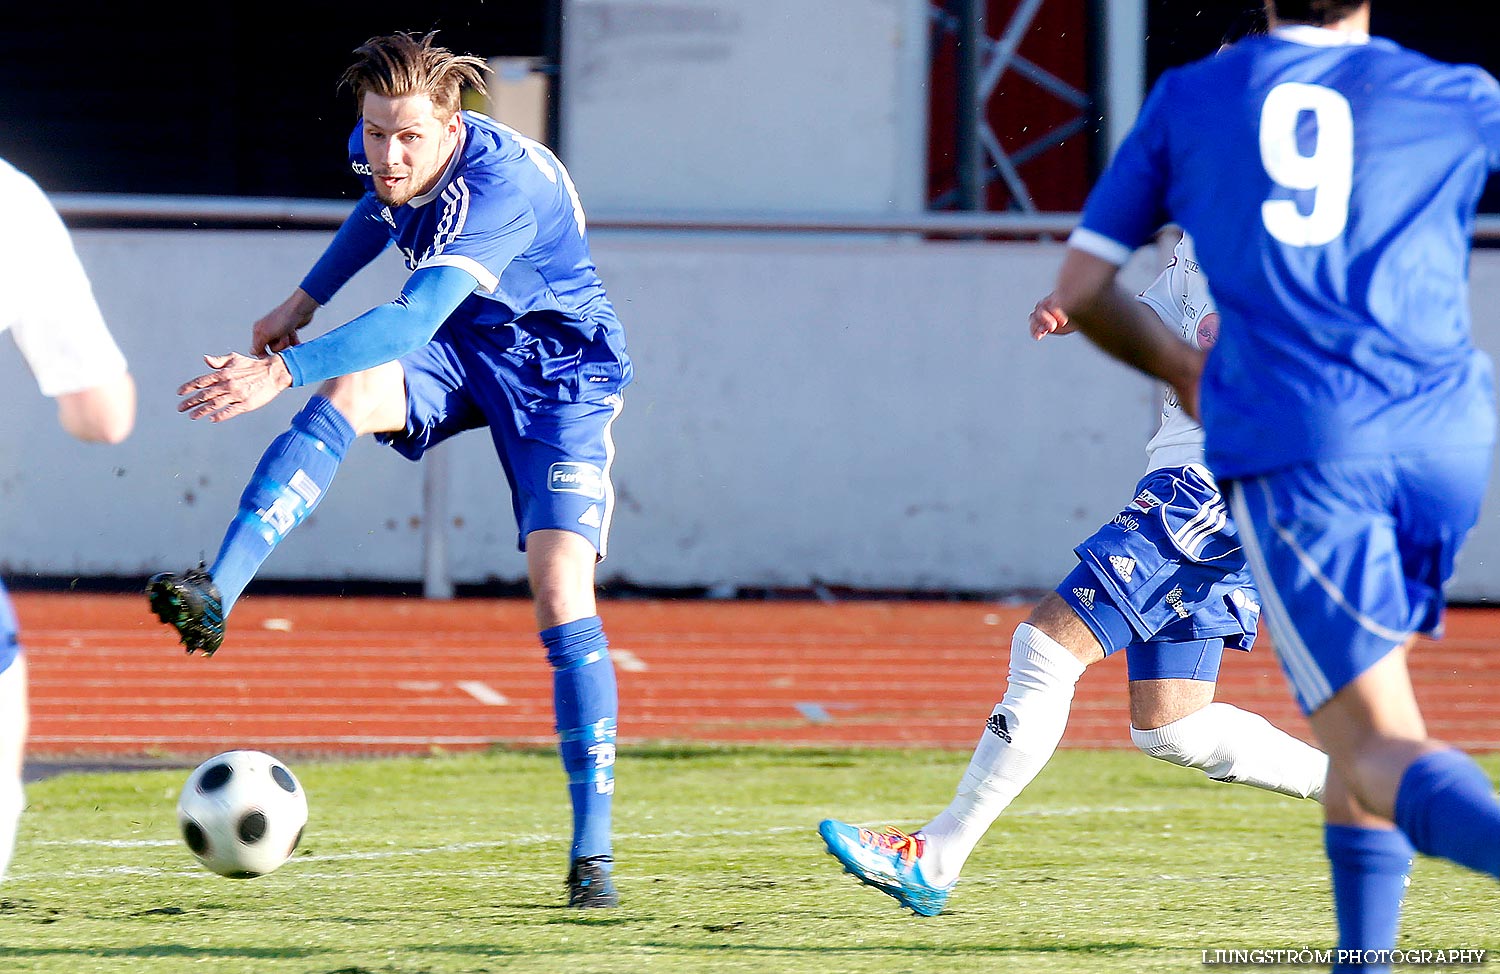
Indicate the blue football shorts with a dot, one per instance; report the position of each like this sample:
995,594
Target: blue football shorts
1166,579
10,639
556,455
1351,556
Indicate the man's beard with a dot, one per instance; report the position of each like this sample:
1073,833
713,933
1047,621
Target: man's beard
406,191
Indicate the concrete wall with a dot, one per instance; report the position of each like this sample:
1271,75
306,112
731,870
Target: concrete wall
708,106
854,411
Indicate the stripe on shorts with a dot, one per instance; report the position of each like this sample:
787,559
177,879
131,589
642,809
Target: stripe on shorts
1307,678
1194,534
618,403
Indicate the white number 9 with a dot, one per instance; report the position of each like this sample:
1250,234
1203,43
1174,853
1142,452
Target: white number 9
1329,171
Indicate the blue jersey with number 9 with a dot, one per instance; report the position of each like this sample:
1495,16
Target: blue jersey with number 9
1329,182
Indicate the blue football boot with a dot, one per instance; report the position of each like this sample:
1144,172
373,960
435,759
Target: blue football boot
890,861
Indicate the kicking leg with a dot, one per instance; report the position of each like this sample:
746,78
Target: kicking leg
291,478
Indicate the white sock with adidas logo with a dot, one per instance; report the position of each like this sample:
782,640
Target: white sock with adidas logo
1018,740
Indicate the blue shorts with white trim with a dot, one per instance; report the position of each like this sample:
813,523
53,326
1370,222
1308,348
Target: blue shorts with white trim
1351,556
1171,559
556,454
1172,654
1166,579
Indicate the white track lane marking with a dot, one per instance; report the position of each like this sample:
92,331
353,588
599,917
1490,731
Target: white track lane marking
483,692
628,661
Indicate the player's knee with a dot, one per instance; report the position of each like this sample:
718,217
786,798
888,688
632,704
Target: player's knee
1188,742
558,600
372,401
560,568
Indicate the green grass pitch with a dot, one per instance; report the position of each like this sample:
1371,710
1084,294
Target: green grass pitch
454,863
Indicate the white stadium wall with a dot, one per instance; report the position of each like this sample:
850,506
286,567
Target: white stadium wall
863,412
711,106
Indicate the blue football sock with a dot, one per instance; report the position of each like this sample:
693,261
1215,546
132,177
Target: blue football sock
586,704
1446,806
1370,869
292,476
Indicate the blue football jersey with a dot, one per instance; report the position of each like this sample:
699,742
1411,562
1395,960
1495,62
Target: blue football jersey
1330,187
507,211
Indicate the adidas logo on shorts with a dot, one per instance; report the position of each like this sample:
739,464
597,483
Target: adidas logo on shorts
1124,567
1084,595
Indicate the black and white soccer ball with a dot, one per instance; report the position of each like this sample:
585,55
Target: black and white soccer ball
242,813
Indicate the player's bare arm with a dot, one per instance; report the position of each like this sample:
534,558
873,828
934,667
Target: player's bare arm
1114,320
238,384
104,413
277,329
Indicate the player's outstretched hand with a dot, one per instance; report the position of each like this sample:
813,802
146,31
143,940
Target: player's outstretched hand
238,384
1048,318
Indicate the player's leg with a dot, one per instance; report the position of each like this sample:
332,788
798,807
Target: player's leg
585,701
1351,558
1092,613
1436,794
298,467
1369,858
1048,655
1136,576
564,502
13,724
13,721
292,476
1370,863
1049,652
1173,717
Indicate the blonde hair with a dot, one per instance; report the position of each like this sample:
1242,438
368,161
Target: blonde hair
404,64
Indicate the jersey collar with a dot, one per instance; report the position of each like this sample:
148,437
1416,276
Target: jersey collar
448,170
1319,36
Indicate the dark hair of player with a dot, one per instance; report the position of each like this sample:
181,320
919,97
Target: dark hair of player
1318,12
1246,23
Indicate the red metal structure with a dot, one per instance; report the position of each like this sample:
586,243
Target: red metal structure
1037,120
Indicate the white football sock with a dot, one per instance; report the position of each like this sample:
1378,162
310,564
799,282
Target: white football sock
1018,741
1230,744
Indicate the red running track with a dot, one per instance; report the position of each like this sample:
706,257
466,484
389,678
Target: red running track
319,675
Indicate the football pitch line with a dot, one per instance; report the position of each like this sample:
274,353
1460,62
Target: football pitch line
520,841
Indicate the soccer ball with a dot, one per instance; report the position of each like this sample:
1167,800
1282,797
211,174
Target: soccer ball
242,813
